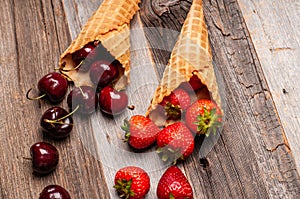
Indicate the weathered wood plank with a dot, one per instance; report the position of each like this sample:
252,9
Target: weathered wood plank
30,47
77,13
274,27
280,170
7,55
20,54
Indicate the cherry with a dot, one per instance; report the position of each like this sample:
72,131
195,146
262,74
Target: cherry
44,158
92,51
193,85
53,85
54,192
81,54
103,72
85,98
57,123
112,102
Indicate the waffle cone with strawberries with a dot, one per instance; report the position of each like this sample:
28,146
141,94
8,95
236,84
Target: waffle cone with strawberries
191,56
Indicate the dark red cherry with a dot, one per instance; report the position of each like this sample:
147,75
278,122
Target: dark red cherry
54,86
103,72
81,54
57,123
54,192
85,98
112,102
193,85
44,158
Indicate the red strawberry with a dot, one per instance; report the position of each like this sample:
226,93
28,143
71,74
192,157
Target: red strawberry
176,142
203,117
132,182
174,185
193,85
178,101
141,132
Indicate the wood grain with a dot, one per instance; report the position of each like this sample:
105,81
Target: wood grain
275,31
33,48
250,160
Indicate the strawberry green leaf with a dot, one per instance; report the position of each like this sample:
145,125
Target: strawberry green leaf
173,111
171,196
208,122
123,188
166,153
125,126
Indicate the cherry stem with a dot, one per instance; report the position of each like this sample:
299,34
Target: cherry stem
81,91
36,98
67,77
68,70
63,74
58,121
26,158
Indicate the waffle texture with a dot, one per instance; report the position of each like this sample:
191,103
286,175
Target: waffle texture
110,25
191,55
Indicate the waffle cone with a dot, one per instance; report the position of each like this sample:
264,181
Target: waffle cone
191,55
109,25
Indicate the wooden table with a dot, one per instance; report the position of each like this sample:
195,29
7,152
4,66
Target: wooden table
256,49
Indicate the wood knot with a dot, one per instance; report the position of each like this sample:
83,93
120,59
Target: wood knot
161,6
204,163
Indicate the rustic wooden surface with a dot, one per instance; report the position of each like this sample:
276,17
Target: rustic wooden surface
276,40
258,151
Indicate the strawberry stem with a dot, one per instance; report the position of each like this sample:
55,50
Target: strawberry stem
173,111
168,153
123,187
125,127
208,122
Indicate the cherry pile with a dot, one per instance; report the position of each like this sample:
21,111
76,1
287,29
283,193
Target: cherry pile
57,123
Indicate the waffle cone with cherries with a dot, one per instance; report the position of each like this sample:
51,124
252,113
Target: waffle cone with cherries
110,27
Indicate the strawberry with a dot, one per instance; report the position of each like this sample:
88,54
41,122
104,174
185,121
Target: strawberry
193,84
176,142
203,117
178,101
141,132
174,185
132,182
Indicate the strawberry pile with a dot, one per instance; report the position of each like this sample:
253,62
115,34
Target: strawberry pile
174,143
132,182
